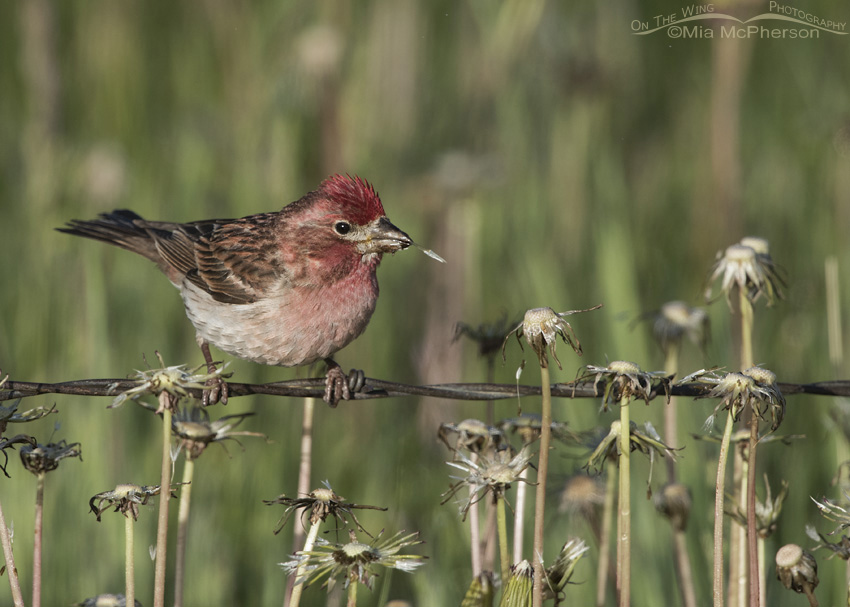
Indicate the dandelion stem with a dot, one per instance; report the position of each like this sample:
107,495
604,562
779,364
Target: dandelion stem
602,575
129,561
848,583
752,543
304,472
502,522
683,567
738,543
183,530
488,546
624,540
671,430
164,495
474,530
37,549
352,594
298,588
11,570
748,485
746,331
540,494
761,570
810,594
719,495
491,539
671,434
519,515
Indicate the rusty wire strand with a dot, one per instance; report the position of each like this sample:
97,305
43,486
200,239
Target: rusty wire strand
376,388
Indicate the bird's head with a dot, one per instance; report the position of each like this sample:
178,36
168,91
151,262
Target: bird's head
356,215
337,226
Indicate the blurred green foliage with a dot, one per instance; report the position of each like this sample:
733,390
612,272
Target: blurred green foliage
553,157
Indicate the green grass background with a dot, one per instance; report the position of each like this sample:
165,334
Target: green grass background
550,155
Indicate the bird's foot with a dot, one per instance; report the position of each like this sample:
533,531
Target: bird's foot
339,386
216,391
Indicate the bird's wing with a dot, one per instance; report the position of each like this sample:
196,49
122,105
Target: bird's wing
233,260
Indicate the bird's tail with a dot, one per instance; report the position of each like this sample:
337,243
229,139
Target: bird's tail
121,228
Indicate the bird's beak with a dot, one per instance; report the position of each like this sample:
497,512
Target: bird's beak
383,237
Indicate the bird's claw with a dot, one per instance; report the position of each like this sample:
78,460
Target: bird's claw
339,386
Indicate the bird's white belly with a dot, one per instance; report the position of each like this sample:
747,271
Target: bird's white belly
289,328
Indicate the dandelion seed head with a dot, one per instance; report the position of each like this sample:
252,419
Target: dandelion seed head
323,494
757,244
624,367
761,376
358,550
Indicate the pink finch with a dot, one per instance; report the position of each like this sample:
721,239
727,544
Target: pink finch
286,288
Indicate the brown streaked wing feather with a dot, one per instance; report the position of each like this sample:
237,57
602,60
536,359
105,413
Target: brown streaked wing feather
234,261
177,249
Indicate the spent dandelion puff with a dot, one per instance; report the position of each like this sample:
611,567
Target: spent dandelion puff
126,499
674,322
747,268
541,328
177,380
353,562
797,570
492,473
195,432
472,435
489,338
529,428
319,505
674,503
752,271
606,447
756,390
169,384
40,459
582,498
622,382
476,437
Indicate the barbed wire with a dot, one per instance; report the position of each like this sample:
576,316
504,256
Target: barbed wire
377,388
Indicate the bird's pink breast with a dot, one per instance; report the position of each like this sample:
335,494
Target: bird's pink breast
293,325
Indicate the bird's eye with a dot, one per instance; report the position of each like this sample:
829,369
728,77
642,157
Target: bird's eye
342,227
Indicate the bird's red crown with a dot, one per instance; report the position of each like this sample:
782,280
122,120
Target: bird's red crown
363,205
